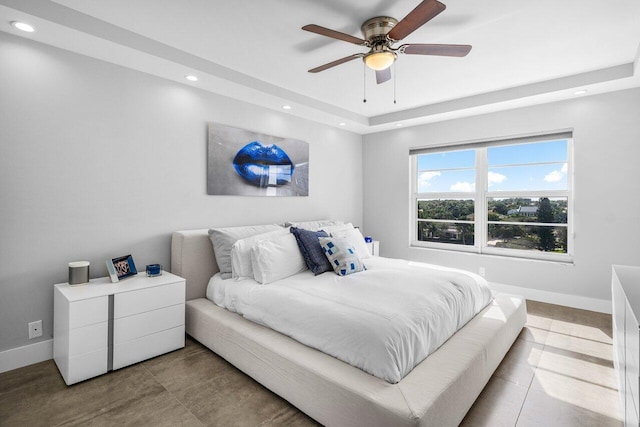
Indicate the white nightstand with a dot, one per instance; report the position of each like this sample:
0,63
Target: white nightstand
104,326
374,248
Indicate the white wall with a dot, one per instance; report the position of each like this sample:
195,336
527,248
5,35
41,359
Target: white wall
606,182
99,161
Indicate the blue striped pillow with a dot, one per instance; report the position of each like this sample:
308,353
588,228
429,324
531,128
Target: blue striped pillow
341,255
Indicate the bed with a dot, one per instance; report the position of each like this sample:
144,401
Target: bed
437,392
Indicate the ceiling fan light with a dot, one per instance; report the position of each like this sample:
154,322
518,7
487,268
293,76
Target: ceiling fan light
380,60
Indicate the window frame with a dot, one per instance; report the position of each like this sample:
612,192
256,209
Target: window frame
481,196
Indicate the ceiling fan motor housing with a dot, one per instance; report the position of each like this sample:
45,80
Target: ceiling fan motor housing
375,29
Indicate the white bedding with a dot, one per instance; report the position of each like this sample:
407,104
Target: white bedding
385,320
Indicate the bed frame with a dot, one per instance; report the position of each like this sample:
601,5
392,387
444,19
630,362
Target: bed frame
438,392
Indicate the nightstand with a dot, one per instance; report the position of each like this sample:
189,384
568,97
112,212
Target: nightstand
374,248
104,326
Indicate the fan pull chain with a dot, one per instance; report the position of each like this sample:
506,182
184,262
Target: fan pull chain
364,82
395,74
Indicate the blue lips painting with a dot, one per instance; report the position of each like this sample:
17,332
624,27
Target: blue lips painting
263,165
241,162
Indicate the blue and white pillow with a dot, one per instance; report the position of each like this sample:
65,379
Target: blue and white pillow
341,255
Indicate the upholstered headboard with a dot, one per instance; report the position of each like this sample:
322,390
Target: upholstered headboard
192,258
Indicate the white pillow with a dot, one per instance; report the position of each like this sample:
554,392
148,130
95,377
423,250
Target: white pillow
241,252
354,236
331,228
224,238
276,259
315,225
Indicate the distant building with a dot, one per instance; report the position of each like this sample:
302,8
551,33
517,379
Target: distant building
524,211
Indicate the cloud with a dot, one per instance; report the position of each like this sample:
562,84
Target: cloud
424,180
496,178
463,186
554,176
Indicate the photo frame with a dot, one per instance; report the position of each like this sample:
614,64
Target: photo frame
121,267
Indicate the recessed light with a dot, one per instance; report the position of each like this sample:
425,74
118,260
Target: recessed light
191,78
22,26
286,107
342,124
580,92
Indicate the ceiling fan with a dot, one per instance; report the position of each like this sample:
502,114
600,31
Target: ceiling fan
381,32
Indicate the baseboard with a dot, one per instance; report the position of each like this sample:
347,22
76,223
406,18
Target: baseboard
575,301
24,356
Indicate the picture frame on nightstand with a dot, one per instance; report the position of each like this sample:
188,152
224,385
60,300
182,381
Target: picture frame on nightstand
121,267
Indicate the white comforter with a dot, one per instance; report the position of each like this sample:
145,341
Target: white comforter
384,320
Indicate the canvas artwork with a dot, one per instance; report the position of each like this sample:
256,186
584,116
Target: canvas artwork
246,163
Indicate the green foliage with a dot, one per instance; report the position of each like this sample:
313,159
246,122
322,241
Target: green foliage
526,237
446,209
546,239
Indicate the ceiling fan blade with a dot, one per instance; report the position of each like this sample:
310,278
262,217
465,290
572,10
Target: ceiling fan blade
333,34
383,75
336,62
423,13
436,49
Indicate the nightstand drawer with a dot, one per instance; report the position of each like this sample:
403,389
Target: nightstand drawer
86,366
87,339
147,323
148,299
149,346
88,312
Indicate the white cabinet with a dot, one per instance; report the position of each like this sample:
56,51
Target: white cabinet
625,298
103,326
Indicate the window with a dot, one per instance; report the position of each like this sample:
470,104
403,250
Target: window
509,197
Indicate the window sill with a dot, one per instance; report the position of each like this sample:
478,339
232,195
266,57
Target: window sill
563,259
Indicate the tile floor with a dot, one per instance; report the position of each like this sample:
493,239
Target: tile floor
558,373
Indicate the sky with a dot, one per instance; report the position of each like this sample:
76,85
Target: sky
519,167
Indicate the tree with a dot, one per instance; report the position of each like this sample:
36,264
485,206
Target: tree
500,208
466,231
547,241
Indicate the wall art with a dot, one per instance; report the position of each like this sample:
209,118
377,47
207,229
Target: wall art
246,163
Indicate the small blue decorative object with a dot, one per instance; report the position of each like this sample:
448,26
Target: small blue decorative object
368,239
154,270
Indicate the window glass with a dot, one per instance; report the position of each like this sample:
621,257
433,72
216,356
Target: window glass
538,152
447,160
446,232
447,180
523,188
452,171
457,209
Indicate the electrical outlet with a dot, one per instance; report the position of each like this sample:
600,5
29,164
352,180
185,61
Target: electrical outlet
35,329
482,271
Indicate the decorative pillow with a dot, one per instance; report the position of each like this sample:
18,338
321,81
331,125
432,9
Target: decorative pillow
314,225
276,259
224,238
241,252
342,255
311,249
354,236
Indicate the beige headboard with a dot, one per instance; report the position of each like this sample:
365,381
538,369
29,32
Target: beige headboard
192,258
